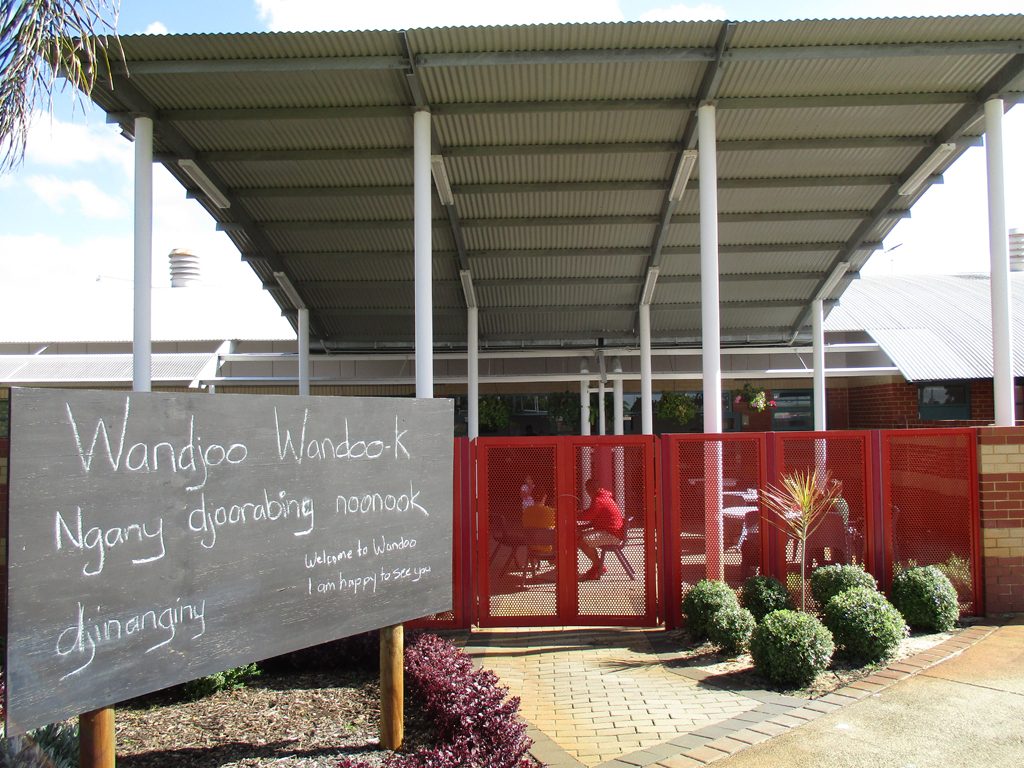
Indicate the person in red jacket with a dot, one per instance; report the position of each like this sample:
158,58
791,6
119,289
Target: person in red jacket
604,526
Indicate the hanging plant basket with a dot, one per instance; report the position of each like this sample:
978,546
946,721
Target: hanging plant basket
756,399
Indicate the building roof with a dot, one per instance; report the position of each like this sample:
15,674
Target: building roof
931,326
104,313
180,369
561,143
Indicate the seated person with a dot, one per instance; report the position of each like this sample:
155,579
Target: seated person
606,526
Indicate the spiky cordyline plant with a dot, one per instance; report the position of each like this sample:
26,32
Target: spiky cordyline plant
41,40
798,506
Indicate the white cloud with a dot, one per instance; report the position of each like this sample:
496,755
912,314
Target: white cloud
54,142
156,28
91,200
683,12
288,15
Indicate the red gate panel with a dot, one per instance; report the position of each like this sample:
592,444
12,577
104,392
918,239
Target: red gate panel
843,536
712,511
930,493
529,491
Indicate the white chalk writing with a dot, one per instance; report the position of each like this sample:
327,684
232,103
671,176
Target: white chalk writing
99,540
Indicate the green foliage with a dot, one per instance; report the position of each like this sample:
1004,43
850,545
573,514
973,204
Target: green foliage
763,594
797,506
228,680
864,625
677,407
829,580
703,601
791,647
926,598
52,746
564,409
494,413
958,570
730,627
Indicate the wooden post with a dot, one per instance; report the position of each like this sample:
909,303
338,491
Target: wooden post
391,686
96,738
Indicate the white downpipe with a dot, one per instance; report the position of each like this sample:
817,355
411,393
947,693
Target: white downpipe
818,331
600,407
422,192
473,372
646,399
999,251
584,401
303,351
618,410
711,341
142,333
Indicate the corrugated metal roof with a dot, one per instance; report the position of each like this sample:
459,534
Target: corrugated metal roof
552,105
931,326
179,368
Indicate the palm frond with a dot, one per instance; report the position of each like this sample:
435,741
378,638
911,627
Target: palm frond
42,41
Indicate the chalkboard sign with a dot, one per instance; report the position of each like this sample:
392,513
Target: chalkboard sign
156,538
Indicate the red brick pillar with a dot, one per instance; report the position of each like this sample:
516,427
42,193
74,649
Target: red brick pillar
1001,475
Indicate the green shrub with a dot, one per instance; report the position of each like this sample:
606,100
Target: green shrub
926,598
228,680
52,746
829,580
730,627
791,648
703,601
864,625
763,594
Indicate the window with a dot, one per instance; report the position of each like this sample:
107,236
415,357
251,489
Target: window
4,415
794,410
941,401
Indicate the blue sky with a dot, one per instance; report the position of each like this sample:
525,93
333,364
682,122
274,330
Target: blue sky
67,211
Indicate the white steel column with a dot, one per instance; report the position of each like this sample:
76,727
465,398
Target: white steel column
617,412
584,400
423,226
600,407
142,338
473,372
711,335
711,341
303,351
818,331
646,400
1002,333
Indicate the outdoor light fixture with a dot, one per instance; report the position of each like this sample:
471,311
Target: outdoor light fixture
833,280
917,178
467,288
441,181
289,290
686,163
194,172
649,283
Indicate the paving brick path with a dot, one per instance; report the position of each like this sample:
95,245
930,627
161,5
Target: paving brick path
612,698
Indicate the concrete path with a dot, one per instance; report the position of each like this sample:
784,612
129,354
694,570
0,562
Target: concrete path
617,698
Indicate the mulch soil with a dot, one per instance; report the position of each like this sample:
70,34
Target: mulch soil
286,720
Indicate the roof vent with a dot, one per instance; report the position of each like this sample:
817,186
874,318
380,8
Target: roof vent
184,268
1016,250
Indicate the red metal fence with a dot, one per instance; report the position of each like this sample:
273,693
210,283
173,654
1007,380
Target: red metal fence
531,570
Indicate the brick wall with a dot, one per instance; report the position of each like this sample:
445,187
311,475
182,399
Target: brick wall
1001,474
893,405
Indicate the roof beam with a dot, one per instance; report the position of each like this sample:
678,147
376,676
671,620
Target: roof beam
264,114
965,117
271,193
539,150
567,221
598,56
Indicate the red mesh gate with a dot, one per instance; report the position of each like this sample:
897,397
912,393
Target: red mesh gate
712,511
930,494
844,534
529,494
